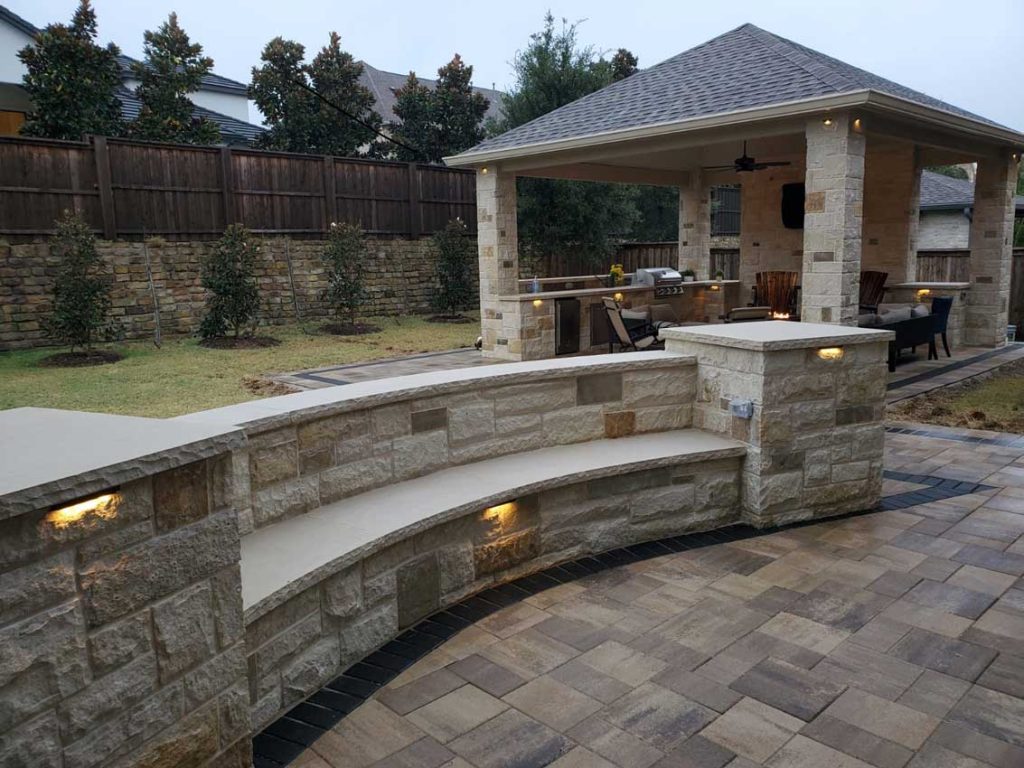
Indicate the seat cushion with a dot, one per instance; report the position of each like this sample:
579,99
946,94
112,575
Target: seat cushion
919,310
635,314
895,316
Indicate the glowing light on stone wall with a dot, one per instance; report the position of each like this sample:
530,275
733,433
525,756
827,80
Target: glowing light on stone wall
831,353
103,506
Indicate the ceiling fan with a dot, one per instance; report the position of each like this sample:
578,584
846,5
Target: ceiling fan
746,164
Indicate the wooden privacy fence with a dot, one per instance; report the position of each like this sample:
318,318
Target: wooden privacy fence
130,189
943,266
955,267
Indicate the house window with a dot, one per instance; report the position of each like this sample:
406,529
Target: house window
10,122
725,210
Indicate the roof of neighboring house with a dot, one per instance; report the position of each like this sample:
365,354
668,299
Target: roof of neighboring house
232,130
746,68
945,193
17,22
212,81
384,84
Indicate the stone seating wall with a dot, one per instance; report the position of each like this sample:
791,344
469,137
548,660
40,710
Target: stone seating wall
311,453
127,639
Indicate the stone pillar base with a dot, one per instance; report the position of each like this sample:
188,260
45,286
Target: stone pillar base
815,432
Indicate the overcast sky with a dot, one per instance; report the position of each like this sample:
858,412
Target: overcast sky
966,53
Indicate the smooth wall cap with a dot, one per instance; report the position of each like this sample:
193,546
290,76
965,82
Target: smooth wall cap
49,456
776,335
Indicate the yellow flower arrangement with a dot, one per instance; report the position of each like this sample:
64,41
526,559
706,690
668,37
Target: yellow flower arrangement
617,274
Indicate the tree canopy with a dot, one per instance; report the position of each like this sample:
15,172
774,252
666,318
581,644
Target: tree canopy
572,218
173,67
285,89
72,81
439,121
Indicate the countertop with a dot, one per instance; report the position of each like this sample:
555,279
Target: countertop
605,291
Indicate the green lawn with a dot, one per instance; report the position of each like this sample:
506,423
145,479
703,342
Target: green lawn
992,402
182,377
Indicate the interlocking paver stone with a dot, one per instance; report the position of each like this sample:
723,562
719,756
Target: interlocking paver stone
951,598
511,738
890,721
992,713
657,715
944,654
486,675
456,713
553,703
753,730
789,688
857,742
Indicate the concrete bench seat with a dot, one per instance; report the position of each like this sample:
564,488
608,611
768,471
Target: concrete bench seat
283,559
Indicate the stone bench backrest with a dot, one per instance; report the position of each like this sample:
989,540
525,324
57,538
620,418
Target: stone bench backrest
314,460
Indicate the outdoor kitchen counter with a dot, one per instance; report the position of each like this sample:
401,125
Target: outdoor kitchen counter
606,291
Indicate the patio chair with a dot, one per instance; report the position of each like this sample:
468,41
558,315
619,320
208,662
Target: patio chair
941,306
778,290
872,288
640,336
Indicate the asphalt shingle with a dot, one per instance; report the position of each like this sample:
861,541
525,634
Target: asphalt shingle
742,69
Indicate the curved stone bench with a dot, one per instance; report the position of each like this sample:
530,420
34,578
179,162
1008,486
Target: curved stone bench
322,590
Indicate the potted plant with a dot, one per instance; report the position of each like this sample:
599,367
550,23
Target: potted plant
719,275
688,275
616,275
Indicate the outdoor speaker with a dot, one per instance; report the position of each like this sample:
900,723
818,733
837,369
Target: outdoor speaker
793,206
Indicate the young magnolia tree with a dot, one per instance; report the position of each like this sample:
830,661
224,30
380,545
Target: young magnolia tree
81,293
299,121
439,121
455,254
173,67
229,274
344,257
71,81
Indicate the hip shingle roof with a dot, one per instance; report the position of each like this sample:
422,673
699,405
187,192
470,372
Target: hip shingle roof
742,69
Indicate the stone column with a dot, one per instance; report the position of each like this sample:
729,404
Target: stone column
892,178
991,251
833,222
914,216
815,435
498,253
695,226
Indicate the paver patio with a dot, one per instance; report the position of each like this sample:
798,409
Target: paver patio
888,639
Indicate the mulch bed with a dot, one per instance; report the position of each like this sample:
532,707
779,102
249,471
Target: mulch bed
941,406
262,387
348,329
242,342
79,359
453,319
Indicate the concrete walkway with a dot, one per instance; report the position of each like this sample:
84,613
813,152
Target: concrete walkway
890,639
917,375
914,376
332,376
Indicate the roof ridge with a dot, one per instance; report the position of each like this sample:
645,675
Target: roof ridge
795,55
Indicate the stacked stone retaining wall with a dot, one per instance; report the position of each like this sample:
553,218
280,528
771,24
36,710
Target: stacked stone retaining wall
398,274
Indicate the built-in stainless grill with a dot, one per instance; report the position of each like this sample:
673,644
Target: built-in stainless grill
664,280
